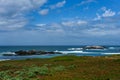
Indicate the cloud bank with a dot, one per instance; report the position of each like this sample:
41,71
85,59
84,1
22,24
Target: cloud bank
13,12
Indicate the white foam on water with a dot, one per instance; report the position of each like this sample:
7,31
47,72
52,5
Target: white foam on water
4,59
82,52
97,49
110,53
8,53
111,47
77,49
69,52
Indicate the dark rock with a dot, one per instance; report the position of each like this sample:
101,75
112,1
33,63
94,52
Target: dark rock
57,52
31,52
21,52
34,52
45,52
54,52
94,47
51,52
41,52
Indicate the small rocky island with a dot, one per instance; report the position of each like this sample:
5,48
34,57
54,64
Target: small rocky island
94,47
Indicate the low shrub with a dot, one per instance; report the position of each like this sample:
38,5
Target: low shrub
59,68
73,66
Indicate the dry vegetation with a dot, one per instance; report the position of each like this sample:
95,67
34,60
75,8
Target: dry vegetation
62,68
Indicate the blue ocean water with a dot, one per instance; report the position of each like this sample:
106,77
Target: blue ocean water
110,50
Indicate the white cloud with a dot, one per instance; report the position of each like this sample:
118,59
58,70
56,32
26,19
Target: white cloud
80,22
74,23
98,17
40,25
100,25
50,28
86,2
58,5
68,23
56,31
12,12
118,12
108,13
44,12
107,26
103,8
12,24
14,6
101,32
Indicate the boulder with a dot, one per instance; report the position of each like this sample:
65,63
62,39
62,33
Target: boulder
22,52
41,52
32,52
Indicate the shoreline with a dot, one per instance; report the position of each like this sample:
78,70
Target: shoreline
50,57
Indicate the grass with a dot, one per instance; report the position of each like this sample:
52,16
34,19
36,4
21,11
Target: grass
62,68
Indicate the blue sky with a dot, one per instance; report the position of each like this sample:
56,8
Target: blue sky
59,22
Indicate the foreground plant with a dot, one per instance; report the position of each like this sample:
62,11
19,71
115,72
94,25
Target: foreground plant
31,72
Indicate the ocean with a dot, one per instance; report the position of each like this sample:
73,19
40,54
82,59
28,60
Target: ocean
68,50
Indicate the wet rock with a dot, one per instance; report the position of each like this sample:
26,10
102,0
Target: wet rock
34,52
22,52
94,47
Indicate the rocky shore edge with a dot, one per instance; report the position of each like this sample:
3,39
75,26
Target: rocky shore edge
40,52
29,52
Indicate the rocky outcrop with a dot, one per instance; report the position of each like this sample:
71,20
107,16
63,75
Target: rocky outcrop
94,47
34,52
21,52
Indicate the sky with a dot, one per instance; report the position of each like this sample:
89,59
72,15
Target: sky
59,22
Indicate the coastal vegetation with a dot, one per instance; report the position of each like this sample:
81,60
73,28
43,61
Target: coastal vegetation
62,68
